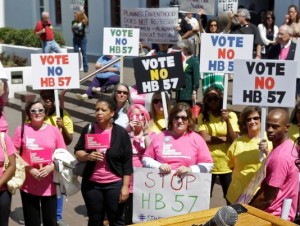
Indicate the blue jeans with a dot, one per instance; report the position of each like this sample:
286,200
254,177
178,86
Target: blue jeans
59,207
81,43
50,47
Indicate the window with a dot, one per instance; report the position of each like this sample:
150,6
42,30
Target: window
153,3
42,6
57,12
115,13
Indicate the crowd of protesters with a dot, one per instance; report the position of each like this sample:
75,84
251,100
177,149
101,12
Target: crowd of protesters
223,144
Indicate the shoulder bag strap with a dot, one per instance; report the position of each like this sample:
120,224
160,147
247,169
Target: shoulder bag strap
22,135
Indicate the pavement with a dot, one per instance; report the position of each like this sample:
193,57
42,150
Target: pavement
74,213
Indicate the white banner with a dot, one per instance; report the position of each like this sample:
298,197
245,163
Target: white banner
225,6
3,74
157,25
55,71
158,195
194,5
121,41
297,57
218,51
266,83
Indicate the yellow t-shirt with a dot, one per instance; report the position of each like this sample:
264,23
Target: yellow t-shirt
215,127
243,159
293,131
156,127
68,123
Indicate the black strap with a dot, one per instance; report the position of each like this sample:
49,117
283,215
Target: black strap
22,135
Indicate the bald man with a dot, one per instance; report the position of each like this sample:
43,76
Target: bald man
44,30
282,176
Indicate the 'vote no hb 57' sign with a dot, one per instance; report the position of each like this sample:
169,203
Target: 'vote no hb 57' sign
158,73
55,71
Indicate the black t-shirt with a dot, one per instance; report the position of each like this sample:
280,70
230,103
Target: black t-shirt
78,29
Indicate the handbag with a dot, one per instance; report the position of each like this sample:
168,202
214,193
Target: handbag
78,166
19,177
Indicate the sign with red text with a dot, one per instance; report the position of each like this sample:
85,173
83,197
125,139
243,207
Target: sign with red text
157,25
158,195
121,41
218,51
99,141
264,83
158,73
225,6
55,71
194,5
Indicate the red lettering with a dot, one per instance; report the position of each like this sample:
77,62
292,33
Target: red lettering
262,83
178,180
193,178
54,59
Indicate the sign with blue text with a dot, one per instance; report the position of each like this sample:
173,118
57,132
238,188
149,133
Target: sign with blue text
158,73
121,41
266,83
218,51
55,71
158,195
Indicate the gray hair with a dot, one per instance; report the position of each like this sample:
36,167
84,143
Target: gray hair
245,13
287,29
45,13
186,45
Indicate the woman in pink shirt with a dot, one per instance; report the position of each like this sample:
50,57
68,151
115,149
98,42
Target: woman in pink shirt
179,148
137,129
38,143
5,195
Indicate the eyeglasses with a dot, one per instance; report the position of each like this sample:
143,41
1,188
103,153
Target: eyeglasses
183,118
122,92
212,98
156,101
213,25
137,117
37,111
256,118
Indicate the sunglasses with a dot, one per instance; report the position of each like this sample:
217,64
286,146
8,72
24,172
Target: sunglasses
213,98
256,118
122,92
183,118
37,111
156,101
137,117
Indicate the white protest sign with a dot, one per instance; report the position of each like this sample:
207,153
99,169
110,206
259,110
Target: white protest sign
264,83
297,57
194,5
55,71
3,74
157,195
157,25
218,51
77,5
225,6
121,41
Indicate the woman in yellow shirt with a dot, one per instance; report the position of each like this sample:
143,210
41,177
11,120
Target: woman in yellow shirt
244,153
219,127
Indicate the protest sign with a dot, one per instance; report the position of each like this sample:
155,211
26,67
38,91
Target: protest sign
99,141
218,51
77,5
225,6
194,5
157,195
264,83
297,57
55,71
158,73
157,25
121,41
37,155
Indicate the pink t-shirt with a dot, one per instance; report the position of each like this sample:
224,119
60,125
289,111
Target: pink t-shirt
102,174
186,150
45,140
282,173
10,148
